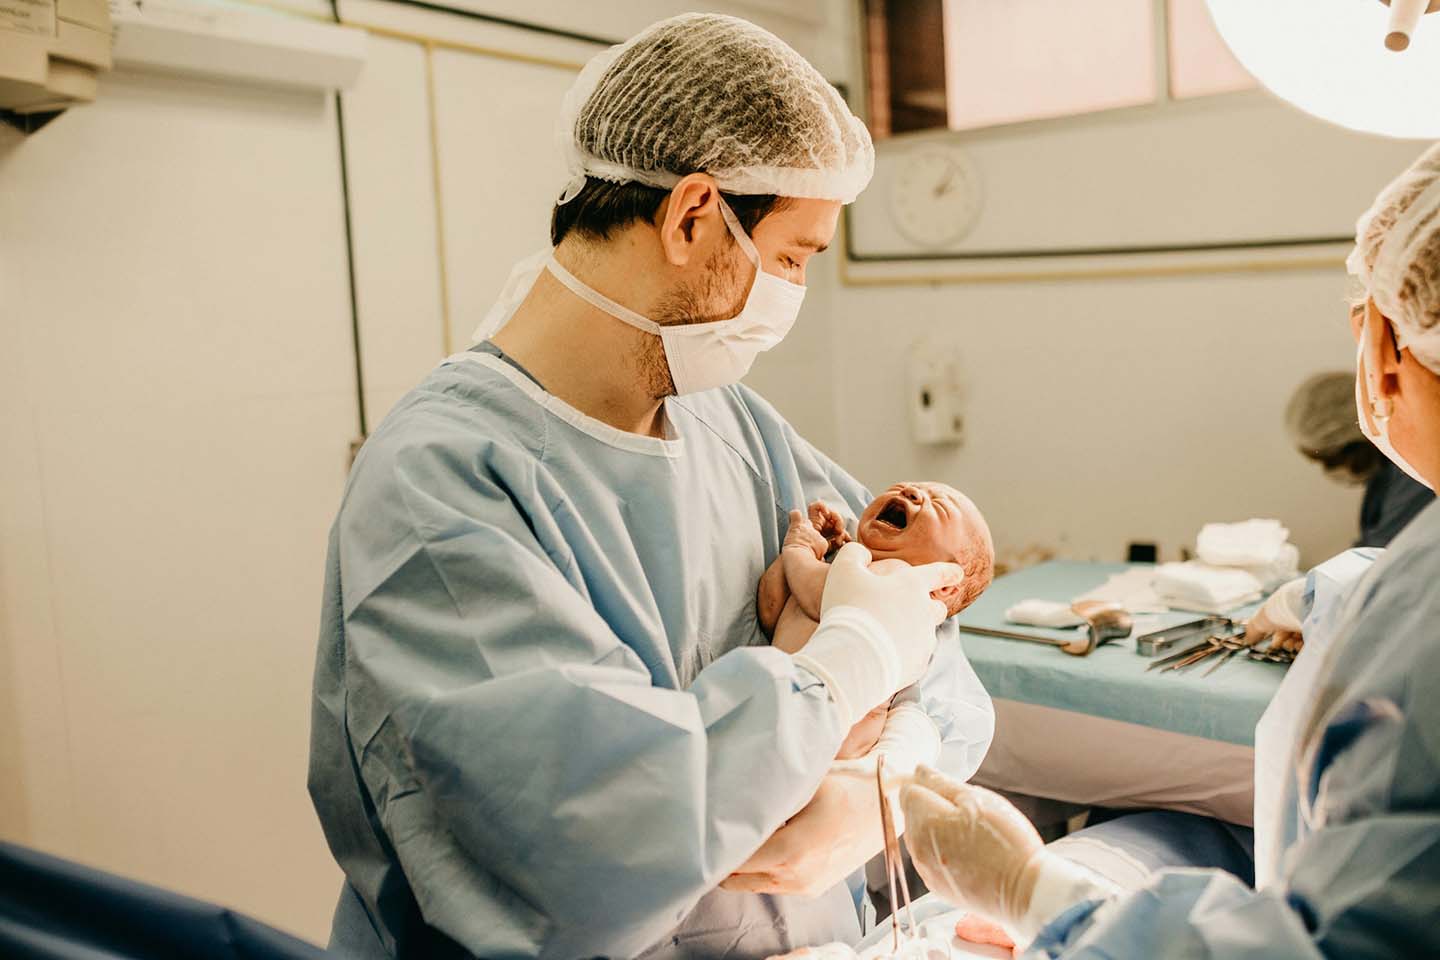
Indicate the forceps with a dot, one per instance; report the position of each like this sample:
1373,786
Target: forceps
1227,647
894,863
913,943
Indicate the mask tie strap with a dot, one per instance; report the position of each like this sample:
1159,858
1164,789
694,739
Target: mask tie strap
741,237
598,300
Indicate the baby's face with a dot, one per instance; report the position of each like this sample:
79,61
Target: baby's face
929,522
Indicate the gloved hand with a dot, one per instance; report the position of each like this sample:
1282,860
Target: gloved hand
829,951
975,850
900,600
1279,619
877,632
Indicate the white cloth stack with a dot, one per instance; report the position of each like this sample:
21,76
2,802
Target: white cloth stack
1260,547
1205,589
1238,563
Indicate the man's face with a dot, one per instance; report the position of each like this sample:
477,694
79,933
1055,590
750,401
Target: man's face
786,239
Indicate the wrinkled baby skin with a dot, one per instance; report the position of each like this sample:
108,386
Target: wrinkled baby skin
911,523
915,523
925,522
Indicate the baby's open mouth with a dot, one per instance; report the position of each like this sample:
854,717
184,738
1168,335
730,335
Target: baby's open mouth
894,514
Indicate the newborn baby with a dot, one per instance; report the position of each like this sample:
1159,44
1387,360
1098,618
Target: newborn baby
912,523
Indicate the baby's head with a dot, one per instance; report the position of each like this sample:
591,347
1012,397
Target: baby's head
929,522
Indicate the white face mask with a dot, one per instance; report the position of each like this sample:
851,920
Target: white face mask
702,356
1374,425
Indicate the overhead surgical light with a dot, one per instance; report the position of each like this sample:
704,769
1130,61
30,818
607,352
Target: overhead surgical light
1351,62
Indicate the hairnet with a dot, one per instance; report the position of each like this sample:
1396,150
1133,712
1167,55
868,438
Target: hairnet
713,94
1321,415
1397,257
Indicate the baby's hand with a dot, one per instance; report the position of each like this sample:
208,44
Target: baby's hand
830,524
864,735
802,533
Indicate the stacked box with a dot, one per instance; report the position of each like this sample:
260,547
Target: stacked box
52,52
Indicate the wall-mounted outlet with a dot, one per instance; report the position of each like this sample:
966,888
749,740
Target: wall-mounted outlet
934,395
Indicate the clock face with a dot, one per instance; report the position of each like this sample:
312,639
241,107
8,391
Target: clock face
935,196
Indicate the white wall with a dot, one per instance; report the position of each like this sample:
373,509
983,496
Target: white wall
1103,412
175,408
1114,409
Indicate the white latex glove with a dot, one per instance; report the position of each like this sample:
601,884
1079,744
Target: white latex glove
830,951
975,850
877,631
1280,618
908,740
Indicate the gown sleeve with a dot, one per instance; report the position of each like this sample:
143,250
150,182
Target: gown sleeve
1361,881
504,732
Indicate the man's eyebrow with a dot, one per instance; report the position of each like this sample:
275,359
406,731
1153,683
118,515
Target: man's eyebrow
819,246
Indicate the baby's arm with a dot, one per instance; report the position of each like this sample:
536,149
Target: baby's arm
772,595
803,559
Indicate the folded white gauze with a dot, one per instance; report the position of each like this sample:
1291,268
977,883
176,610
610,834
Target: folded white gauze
1043,613
1284,567
1253,543
1203,588
1133,589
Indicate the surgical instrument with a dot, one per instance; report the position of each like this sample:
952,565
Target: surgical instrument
915,946
1224,646
1156,642
1232,646
1269,655
1105,622
1182,657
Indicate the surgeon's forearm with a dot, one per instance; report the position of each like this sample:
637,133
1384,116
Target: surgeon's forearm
665,798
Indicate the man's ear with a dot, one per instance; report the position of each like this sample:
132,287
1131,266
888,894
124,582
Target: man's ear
688,218
1382,358
1378,350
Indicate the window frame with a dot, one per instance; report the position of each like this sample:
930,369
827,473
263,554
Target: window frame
1164,97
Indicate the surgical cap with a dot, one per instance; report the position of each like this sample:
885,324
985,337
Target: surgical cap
1397,257
1321,414
713,94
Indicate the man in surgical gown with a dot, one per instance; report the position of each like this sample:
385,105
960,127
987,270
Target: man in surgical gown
546,722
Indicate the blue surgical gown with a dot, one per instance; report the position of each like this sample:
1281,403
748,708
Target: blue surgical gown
545,720
1359,875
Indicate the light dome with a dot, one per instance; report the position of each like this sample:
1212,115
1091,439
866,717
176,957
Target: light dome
1329,58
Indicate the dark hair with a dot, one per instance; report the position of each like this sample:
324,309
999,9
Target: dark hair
1361,458
602,207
